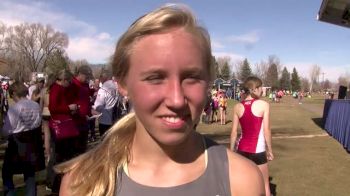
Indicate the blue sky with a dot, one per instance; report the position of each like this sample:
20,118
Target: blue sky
251,29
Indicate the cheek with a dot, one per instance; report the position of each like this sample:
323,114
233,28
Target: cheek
143,97
197,96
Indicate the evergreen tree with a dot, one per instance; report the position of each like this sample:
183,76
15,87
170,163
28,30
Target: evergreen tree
295,82
285,79
233,75
245,71
216,68
272,76
226,71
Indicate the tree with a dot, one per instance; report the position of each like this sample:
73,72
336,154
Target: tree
216,69
245,70
74,65
295,82
223,66
272,77
327,84
261,70
343,80
29,47
305,84
273,59
226,71
3,30
314,76
57,61
285,82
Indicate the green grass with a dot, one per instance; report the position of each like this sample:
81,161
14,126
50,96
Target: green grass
303,166
310,166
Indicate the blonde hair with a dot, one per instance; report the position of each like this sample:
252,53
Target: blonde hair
95,172
160,21
250,84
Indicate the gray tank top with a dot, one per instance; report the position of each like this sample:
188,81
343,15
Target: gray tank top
213,182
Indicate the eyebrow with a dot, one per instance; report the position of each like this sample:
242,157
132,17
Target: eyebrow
189,70
153,71
194,70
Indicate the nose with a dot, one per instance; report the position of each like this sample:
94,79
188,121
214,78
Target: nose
175,96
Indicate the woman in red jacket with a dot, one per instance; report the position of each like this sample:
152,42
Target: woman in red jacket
61,108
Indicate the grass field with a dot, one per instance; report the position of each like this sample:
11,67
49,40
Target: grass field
303,165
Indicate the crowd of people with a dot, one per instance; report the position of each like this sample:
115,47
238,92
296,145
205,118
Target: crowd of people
29,123
215,108
162,65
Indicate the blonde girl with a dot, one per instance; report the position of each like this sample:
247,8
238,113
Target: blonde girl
163,65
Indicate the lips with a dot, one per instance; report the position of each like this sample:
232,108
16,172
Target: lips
174,122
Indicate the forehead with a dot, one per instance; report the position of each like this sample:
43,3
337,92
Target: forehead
173,48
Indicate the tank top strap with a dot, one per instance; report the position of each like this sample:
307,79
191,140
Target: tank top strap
214,181
218,167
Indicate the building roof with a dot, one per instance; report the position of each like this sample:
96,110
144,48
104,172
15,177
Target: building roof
335,12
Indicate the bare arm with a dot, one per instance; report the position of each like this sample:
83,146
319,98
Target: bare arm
267,131
235,122
245,177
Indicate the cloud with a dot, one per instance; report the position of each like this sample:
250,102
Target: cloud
103,36
234,57
331,72
247,39
216,44
12,13
85,42
94,49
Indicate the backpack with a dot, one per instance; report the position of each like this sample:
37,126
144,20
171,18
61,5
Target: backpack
118,110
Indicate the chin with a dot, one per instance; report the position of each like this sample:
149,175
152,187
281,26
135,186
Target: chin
173,139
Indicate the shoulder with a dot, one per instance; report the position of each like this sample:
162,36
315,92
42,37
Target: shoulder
262,102
245,177
238,107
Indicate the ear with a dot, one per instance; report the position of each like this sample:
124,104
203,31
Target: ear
122,89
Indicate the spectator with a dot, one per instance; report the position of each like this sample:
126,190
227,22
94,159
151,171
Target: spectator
61,108
215,108
223,108
36,94
81,96
24,154
107,97
31,88
92,121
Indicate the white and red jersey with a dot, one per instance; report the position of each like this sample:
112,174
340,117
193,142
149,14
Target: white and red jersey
252,139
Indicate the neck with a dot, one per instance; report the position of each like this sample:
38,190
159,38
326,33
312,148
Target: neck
16,99
147,149
249,97
59,82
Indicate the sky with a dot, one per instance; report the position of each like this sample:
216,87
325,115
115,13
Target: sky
251,29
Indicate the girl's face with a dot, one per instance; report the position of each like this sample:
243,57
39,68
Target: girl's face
167,84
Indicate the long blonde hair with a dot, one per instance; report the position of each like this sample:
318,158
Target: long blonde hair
95,172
